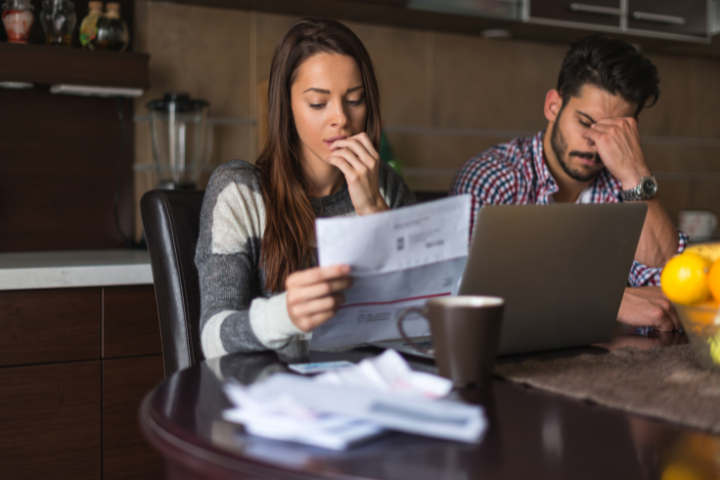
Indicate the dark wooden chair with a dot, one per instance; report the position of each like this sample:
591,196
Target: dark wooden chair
171,219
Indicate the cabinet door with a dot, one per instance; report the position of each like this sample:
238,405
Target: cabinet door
599,12
50,422
130,321
126,454
686,17
45,326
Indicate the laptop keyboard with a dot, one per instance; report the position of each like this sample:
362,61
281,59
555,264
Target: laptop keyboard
424,345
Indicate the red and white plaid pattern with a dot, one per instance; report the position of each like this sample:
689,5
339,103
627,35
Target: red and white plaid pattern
516,173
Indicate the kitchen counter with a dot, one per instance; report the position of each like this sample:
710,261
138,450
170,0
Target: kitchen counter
96,268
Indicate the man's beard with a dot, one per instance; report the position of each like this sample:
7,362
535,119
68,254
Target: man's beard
559,146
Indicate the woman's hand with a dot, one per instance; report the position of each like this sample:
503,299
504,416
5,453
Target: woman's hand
313,295
358,160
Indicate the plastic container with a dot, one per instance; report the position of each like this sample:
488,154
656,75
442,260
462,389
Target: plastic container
702,326
88,27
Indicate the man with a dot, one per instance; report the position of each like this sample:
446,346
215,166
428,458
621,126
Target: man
590,153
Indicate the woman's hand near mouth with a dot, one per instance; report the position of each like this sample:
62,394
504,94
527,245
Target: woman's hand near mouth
358,160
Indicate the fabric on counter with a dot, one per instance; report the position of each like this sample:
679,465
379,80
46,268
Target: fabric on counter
664,382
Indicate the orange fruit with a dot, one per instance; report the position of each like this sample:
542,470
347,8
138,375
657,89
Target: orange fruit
685,279
711,303
714,280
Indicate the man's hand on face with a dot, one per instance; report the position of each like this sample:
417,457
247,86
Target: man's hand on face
618,144
648,307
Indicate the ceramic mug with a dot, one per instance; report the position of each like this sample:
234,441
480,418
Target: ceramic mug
465,332
697,224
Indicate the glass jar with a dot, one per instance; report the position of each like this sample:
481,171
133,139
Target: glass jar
58,19
112,31
88,27
18,20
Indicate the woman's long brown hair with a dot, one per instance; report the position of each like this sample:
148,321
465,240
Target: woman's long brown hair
287,243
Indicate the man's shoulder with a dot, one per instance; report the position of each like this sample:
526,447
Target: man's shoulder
506,162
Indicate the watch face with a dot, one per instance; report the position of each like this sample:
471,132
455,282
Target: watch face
649,187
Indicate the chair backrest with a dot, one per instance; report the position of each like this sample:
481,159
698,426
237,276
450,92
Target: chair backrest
171,219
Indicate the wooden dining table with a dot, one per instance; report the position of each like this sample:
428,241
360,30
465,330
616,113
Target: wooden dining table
532,434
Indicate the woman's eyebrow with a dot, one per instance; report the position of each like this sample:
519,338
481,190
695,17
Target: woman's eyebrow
327,92
319,90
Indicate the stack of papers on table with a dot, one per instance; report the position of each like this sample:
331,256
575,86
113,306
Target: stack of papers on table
341,408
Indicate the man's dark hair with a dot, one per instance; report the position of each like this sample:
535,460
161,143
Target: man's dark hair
614,66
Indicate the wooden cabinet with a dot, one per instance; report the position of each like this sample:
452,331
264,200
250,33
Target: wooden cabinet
597,12
130,322
75,364
126,455
50,421
666,18
688,17
46,326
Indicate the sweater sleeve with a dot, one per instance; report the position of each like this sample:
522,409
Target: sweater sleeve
235,314
393,188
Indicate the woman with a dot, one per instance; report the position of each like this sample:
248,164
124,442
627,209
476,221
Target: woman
260,288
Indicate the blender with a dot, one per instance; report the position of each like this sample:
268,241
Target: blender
178,133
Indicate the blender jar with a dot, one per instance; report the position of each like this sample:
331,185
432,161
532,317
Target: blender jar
177,130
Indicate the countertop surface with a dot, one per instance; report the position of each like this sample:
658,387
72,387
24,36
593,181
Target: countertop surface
34,270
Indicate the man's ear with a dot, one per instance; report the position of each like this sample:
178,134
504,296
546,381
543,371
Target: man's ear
553,105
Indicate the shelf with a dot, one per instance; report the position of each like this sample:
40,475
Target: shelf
47,65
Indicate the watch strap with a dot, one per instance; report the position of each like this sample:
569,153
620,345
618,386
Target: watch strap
636,194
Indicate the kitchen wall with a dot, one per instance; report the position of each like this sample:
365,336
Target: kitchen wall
444,97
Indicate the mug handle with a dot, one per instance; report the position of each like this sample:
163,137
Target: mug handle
401,318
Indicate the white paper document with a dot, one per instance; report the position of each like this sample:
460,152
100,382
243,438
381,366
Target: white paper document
338,409
399,259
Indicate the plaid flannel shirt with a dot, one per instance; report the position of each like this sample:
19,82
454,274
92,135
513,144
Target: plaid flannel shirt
516,173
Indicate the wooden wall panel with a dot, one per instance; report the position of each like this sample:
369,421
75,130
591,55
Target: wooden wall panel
58,171
130,321
126,454
55,325
50,422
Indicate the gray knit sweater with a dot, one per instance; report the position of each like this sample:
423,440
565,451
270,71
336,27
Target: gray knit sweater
237,312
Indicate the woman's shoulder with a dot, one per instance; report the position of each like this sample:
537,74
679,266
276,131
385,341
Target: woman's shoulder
238,172
236,188
233,210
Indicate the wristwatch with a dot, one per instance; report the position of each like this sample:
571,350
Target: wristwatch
645,190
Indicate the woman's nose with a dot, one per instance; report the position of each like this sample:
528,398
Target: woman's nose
339,115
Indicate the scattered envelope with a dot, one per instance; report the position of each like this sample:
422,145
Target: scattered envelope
341,408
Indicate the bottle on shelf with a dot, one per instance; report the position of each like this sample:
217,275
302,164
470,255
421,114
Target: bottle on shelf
113,32
88,27
58,19
18,19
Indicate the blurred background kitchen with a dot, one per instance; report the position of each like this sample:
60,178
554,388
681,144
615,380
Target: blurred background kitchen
452,84
81,345
456,76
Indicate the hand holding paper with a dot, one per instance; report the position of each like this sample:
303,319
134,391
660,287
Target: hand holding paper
399,259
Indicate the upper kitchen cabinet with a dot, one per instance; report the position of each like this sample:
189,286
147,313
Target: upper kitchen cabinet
595,12
671,19
686,17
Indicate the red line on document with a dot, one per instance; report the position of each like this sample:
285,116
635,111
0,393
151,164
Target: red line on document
396,301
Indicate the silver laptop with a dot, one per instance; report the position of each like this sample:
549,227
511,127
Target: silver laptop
562,270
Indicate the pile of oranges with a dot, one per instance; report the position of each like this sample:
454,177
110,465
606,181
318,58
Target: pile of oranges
693,277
